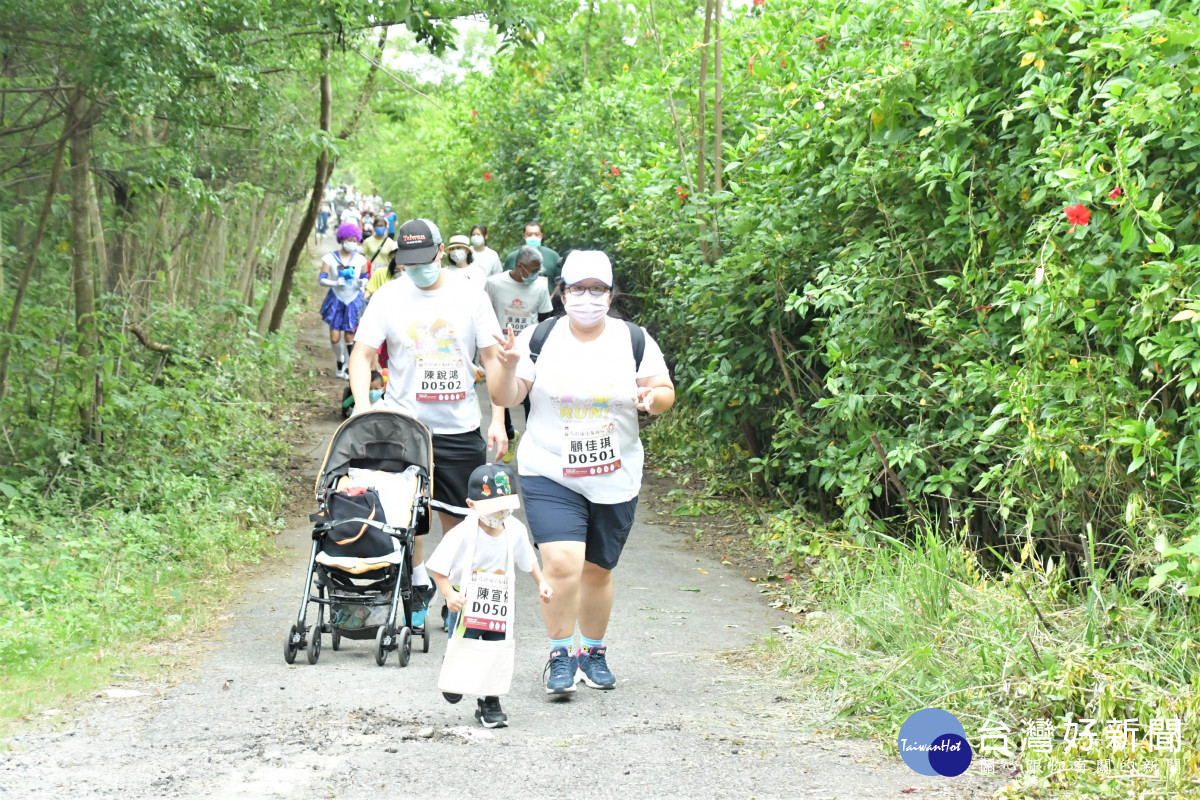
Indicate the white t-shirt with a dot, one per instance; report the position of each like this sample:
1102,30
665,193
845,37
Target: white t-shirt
468,272
583,427
491,552
432,336
488,260
335,261
518,303
351,215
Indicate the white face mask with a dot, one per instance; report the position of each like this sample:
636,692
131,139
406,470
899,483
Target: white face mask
496,520
477,240
349,245
457,256
586,310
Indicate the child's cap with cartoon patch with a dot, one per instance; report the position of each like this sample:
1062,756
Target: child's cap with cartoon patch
491,488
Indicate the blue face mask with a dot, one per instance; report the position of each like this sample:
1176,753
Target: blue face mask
532,279
376,394
533,241
381,231
424,275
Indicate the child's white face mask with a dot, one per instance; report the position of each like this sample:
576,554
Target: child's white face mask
496,520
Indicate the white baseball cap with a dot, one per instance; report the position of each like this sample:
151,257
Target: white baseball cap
584,264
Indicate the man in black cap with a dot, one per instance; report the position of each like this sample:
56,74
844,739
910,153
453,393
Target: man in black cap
432,328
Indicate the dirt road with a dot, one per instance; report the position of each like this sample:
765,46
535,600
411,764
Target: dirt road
240,723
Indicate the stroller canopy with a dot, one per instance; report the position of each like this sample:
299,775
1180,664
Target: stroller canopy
382,440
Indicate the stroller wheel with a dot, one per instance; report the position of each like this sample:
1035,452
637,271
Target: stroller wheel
383,643
291,645
336,637
425,639
404,648
314,643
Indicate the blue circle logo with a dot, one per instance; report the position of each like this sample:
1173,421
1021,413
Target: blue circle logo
933,742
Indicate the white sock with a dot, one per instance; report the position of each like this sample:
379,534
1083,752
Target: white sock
420,577
339,352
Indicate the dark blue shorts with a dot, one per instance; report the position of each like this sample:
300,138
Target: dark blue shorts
557,514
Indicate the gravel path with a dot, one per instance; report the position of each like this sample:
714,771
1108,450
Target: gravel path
240,723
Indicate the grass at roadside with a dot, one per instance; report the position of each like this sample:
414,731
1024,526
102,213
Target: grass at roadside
134,540
1021,652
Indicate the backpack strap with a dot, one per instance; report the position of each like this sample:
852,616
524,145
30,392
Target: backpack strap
637,338
539,337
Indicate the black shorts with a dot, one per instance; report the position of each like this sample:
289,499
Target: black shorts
557,514
455,457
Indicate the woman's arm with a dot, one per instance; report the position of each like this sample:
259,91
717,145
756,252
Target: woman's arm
655,394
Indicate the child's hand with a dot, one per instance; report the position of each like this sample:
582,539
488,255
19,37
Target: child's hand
545,591
455,601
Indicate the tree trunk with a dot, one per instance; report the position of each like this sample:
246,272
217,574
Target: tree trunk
31,259
300,240
96,228
81,257
718,163
294,217
702,133
248,263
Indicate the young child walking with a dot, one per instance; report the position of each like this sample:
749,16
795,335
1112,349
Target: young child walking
490,535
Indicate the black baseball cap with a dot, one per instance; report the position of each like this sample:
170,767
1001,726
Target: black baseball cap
417,242
492,488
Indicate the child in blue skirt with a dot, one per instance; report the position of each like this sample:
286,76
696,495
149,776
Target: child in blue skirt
344,271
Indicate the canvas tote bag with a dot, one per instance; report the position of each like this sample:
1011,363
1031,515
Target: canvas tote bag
475,666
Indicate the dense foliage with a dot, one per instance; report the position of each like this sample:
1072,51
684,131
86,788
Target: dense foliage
958,228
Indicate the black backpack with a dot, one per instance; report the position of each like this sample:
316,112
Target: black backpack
354,539
636,335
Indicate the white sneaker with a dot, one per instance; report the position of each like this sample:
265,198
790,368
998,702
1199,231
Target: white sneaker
343,373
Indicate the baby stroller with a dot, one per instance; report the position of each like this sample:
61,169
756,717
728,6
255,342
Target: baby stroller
373,492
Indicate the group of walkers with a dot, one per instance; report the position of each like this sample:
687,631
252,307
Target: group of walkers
441,327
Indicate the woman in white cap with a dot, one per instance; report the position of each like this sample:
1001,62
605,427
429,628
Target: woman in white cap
580,460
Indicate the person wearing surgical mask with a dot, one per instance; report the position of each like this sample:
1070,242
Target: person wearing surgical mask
520,298
532,237
462,261
487,258
344,272
432,327
378,246
580,460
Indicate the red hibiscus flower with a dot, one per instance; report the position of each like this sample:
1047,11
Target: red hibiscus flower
760,2
906,44
782,63
615,171
1077,214
750,69
474,113
821,40
487,176
1116,192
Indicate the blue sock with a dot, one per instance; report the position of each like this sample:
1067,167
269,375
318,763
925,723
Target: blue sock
557,643
589,644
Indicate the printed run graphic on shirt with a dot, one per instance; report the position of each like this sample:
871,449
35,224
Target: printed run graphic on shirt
590,445
441,371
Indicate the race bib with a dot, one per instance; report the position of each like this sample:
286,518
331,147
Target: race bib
486,602
519,322
590,448
440,380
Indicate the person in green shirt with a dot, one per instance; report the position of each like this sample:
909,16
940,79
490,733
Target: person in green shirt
533,238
